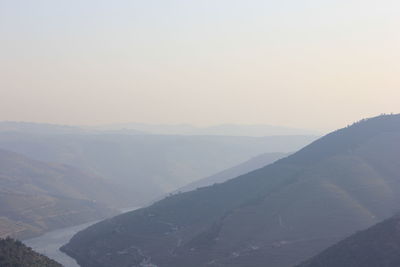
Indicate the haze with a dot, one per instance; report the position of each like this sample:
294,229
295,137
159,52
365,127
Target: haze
307,64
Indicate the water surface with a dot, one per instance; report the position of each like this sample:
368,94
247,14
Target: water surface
49,243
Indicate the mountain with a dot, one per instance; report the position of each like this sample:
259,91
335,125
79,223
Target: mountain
238,170
148,166
13,253
276,216
47,128
376,246
36,196
257,130
38,128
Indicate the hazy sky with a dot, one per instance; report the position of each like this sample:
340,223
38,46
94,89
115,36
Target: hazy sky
313,64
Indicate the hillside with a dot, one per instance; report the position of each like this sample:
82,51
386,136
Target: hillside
37,196
376,246
277,216
149,166
243,168
15,254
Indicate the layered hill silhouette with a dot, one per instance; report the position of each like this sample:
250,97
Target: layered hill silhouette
14,253
240,169
149,166
276,216
377,246
155,129
36,196
259,130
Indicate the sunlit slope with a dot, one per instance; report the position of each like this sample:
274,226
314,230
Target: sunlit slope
276,216
36,197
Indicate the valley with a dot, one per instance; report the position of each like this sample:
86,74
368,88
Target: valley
343,182
44,202
145,167
199,133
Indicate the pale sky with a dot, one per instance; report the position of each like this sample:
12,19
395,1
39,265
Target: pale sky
317,64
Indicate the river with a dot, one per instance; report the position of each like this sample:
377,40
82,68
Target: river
49,243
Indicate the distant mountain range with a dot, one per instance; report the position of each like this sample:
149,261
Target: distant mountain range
276,216
259,130
36,196
378,246
149,166
256,130
13,253
39,128
47,128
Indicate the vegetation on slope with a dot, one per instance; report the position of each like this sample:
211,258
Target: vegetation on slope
14,253
376,246
36,197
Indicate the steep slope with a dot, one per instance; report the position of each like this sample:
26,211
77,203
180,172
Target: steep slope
37,196
376,246
147,165
277,216
238,170
15,254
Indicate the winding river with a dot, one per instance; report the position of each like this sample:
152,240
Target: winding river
49,243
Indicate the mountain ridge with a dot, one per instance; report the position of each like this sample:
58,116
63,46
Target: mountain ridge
235,171
253,130
297,206
149,166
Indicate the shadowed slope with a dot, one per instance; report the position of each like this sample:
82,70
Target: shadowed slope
376,246
15,254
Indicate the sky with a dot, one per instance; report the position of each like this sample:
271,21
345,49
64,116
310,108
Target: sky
317,64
